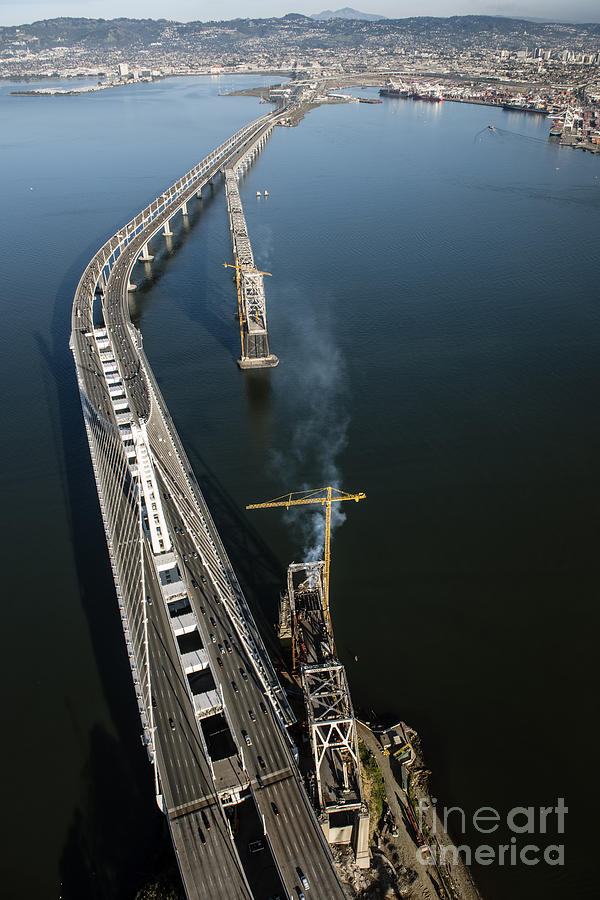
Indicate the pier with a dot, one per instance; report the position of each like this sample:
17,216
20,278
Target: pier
252,304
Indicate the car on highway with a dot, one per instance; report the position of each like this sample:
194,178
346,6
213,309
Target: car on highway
244,674
203,579
194,583
212,622
234,686
303,878
261,762
252,716
255,846
221,648
300,894
263,707
227,646
220,662
275,808
201,834
202,610
171,723
213,639
246,737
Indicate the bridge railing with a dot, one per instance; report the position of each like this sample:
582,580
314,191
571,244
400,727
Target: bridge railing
105,258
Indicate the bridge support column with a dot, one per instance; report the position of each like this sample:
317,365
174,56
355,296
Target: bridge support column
131,286
361,847
145,256
167,230
184,209
199,193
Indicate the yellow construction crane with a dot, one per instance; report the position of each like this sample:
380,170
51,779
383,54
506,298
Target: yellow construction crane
239,269
325,496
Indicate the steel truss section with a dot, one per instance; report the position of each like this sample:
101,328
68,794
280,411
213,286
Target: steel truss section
331,717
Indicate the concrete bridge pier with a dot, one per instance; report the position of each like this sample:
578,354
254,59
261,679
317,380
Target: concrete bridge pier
361,838
167,229
199,193
184,209
131,287
145,255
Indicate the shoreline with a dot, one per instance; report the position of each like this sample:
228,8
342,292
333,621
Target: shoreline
408,851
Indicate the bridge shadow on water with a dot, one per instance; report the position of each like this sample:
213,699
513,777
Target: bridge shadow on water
101,856
117,836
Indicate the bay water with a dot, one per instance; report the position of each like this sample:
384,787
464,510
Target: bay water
434,305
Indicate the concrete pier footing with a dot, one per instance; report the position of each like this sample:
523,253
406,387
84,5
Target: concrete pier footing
361,840
261,362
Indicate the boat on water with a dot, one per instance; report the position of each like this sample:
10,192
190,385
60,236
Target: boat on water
520,104
556,128
395,89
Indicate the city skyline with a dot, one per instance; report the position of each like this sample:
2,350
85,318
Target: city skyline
20,12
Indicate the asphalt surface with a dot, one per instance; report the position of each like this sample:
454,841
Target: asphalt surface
208,858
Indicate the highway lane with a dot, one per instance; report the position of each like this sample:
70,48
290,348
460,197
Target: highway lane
186,779
294,843
264,731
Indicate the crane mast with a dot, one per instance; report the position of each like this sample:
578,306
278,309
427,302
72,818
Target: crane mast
325,496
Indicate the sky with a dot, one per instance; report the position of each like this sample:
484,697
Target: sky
18,12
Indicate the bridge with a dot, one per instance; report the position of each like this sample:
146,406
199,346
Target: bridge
214,716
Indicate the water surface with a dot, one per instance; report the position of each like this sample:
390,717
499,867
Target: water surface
434,307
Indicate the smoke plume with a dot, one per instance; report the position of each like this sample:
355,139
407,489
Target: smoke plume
313,385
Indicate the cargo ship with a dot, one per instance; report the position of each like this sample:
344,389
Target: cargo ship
395,89
521,104
556,128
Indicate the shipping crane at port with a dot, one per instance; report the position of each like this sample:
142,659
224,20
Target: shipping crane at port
325,496
239,269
